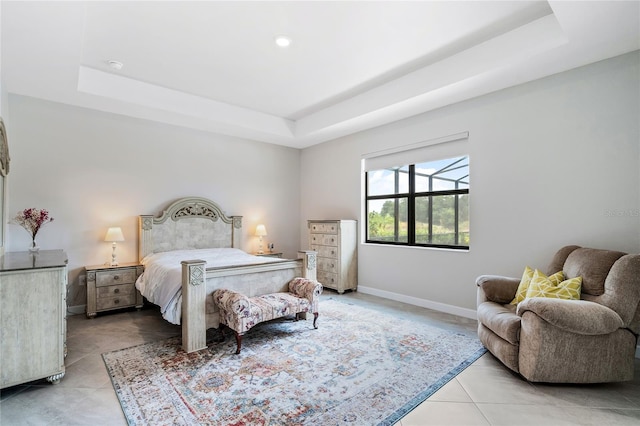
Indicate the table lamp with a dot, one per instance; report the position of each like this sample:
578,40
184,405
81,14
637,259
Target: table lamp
114,235
261,231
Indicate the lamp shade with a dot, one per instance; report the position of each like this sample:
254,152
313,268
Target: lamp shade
261,231
114,234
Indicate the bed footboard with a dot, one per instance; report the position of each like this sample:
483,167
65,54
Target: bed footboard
198,283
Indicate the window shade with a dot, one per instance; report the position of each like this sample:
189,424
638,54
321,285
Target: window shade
433,149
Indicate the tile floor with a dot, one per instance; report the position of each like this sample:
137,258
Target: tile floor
485,393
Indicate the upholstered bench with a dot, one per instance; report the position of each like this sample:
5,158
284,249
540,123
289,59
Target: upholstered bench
240,313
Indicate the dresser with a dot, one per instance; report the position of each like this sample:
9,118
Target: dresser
112,287
33,311
336,242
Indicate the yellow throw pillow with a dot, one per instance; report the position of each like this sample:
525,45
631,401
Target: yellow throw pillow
521,292
541,286
527,276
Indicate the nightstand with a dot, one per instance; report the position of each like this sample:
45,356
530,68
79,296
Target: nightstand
268,254
112,287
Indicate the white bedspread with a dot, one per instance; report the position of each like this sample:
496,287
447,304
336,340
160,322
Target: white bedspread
161,282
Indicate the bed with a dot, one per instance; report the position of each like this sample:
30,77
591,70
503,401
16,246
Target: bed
190,250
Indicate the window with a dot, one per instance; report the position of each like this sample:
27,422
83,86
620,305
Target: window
423,204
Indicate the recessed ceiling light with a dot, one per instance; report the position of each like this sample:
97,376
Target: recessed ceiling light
116,65
283,41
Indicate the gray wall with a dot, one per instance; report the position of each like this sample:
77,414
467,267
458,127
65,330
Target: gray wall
553,162
93,170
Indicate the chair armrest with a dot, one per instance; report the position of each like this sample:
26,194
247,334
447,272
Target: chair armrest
304,287
232,301
496,288
575,316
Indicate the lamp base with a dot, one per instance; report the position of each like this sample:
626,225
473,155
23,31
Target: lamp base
113,256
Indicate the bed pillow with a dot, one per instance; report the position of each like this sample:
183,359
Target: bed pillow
525,281
541,286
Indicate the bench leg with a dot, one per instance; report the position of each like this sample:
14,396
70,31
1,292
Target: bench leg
315,318
238,342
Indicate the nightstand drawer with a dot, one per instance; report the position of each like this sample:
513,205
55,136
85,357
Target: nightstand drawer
115,290
115,302
120,276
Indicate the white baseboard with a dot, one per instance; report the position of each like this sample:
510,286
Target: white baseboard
424,303
77,309
436,306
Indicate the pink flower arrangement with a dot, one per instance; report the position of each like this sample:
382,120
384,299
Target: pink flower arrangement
32,220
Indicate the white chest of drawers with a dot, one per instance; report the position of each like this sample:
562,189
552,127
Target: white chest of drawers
33,308
336,242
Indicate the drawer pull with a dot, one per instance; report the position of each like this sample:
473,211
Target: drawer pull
116,301
333,252
117,290
116,277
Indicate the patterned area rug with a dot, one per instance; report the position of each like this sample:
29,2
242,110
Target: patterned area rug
360,367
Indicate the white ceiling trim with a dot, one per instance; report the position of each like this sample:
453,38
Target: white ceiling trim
511,48
100,83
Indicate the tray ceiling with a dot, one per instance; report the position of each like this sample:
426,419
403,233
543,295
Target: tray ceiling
351,66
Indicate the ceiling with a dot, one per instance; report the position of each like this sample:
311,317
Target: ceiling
351,66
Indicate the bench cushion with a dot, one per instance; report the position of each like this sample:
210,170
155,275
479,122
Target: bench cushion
240,313
276,305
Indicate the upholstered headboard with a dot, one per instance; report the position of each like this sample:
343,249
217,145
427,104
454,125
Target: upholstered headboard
188,223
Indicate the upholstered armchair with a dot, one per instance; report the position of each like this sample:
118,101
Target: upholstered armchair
591,340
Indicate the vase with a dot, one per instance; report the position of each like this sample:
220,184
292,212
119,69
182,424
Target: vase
34,247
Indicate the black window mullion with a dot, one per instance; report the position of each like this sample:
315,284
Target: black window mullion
396,206
456,229
411,206
430,212
366,205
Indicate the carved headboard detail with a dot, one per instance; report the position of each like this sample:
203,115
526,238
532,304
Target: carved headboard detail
194,223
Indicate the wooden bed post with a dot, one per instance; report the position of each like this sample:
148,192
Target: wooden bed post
194,294
309,258
236,231
145,239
